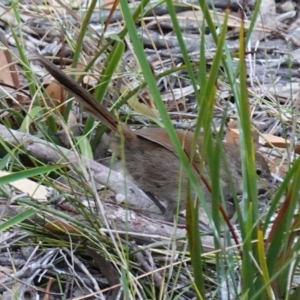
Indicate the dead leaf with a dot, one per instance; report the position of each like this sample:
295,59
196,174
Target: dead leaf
72,121
4,271
232,135
142,104
276,166
232,123
33,189
9,74
48,289
55,95
267,140
59,226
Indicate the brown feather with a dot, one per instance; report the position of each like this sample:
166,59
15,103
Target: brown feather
89,102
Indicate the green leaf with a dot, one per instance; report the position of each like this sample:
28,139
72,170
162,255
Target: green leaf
85,146
30,117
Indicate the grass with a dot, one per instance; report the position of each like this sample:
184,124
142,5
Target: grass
262,263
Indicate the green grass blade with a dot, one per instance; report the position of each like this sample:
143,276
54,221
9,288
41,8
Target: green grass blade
263,264
16,220
28,173
30,117
250,209
108,71
149,78
182,46
85,146
78,47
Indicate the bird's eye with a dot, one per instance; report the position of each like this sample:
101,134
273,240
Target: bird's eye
258,172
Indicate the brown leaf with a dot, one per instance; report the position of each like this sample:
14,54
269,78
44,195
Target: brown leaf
60,226
267,140
232,134
276,166
232,123
9,74
4,271
29,187
276,141
55,95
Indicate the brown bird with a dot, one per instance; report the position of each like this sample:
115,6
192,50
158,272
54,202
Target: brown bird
152,161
